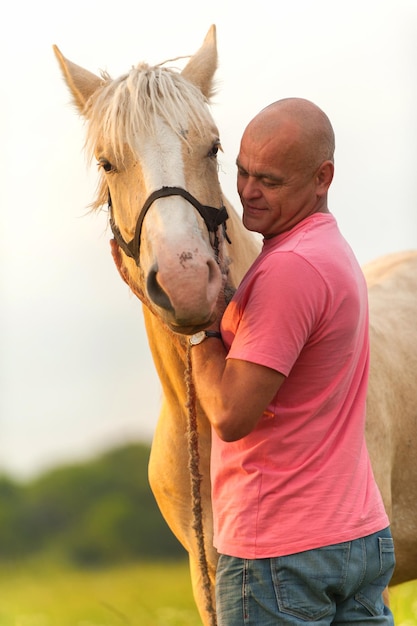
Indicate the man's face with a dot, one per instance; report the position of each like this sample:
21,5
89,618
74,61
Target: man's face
276,186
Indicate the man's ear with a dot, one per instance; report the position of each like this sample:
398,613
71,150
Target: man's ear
324,177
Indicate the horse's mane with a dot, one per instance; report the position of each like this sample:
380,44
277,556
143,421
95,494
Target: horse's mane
119,109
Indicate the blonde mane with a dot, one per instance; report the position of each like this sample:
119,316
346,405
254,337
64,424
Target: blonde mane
125,106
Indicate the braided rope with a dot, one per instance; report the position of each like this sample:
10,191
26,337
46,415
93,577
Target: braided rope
196,478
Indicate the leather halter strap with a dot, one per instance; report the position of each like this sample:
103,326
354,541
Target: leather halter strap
212,217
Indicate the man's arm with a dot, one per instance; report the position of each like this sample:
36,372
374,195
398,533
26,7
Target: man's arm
232,392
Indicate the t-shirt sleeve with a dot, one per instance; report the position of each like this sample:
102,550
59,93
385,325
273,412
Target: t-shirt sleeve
282,307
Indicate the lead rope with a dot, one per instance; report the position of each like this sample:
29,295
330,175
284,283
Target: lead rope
194,467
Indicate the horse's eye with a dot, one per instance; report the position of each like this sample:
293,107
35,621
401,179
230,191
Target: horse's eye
106,165
214,149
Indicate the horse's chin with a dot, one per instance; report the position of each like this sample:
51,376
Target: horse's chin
191,328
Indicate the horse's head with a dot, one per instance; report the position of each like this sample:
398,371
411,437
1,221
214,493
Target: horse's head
150,130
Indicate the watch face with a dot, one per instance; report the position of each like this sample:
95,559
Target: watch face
197,338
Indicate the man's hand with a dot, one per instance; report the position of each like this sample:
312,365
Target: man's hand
223,299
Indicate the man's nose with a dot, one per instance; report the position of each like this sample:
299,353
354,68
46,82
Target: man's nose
250,188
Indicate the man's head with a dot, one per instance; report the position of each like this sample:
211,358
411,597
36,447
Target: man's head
285,166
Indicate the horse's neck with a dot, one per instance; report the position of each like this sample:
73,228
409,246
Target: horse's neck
169,355
244,247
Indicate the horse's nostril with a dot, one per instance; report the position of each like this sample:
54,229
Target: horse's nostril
155,291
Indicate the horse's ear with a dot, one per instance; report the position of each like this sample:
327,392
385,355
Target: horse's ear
81,82
201,67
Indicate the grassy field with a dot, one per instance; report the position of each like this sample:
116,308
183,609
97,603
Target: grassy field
39,594
138,595
403,599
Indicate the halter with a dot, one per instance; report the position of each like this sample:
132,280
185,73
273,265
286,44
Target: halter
213,218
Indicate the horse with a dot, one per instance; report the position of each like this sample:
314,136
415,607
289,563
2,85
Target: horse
176,240
391,420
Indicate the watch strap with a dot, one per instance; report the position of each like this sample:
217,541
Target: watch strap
213,333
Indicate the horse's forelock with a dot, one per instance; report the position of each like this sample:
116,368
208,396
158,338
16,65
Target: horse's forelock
132,102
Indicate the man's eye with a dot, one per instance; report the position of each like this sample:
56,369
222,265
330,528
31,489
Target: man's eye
270,184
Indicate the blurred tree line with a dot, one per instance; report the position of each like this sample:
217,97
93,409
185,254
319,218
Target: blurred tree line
91,514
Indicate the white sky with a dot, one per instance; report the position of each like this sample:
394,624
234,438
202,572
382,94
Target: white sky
75,372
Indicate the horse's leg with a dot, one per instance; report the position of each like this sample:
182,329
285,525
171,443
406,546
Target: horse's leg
199,591
170,481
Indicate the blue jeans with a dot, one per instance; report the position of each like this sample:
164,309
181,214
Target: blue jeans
339,584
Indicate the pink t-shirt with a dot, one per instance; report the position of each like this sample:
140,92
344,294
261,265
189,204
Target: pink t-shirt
302,478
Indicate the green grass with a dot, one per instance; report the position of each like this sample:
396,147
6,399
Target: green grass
136,595
403,602
148,594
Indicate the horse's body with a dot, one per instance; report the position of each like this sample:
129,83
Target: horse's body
391,423
151,129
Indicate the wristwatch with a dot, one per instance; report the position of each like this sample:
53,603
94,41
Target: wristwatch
202,335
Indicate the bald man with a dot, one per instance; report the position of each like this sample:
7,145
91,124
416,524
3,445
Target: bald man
299,522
